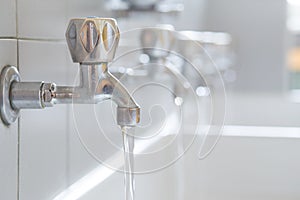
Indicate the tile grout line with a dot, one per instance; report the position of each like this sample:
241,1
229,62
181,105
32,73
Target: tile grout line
19,129
31,39
18,39
68,125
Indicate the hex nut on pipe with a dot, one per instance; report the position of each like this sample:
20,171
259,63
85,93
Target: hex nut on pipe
48,90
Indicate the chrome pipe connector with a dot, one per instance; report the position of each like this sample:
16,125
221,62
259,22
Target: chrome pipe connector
31,95
92,43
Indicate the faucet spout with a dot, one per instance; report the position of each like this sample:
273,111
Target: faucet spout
128,111
97,84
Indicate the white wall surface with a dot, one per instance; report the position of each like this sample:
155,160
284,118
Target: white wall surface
43,133
8,18
258,29
9,137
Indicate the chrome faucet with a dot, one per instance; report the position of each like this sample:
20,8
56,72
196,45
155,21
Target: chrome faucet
157,42
92,43
159,45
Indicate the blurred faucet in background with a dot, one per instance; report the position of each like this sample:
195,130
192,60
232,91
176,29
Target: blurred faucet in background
162,6
210,52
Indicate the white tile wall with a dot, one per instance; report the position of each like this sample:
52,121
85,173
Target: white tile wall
44,133
47,61
245,168
79,160
79,8
84,129
42,19
49,19
8,18
8,135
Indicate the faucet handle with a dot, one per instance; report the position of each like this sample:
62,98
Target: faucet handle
92,40
157,42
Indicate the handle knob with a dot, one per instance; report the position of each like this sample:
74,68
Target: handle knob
157,42
92,40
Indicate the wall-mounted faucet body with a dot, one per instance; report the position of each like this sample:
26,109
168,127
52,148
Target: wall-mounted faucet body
92,43
159,44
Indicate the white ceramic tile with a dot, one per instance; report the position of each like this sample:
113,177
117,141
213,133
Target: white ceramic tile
43,153
84,130
79,8
240,167
8,18
44,133
8,135
80,161
257,109
8,52
47,61
49,19
41,19
112,188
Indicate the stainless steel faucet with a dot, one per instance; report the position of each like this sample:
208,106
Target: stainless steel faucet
159,45
157,42
92,43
